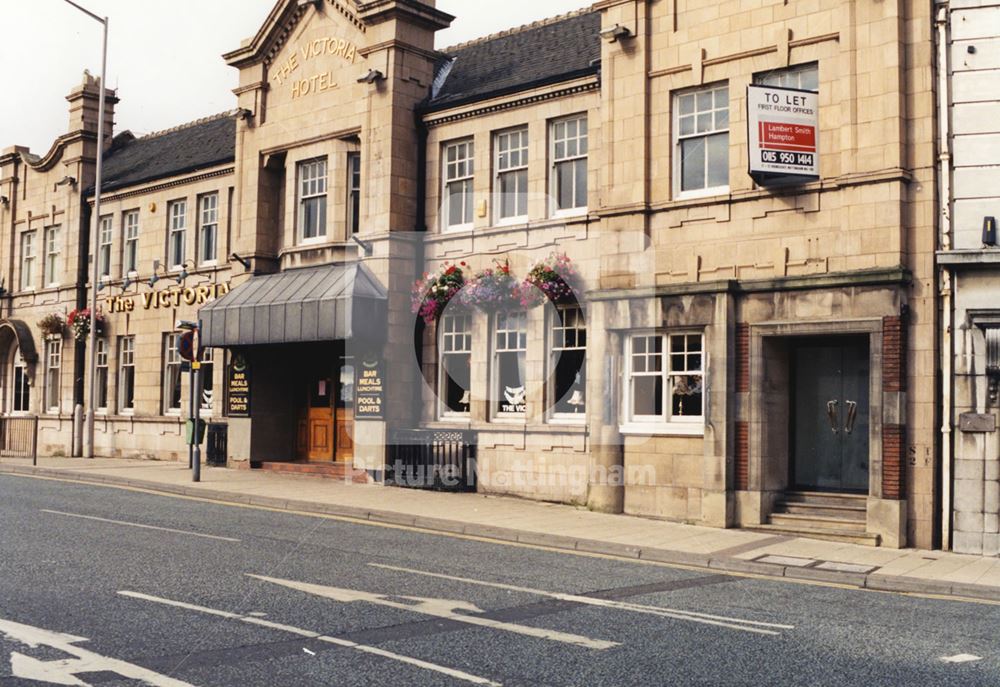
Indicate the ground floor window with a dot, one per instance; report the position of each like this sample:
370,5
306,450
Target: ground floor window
171,373
20,401
53,368
664,378
207,381
510,388
126,374
455,362
101,388
568,377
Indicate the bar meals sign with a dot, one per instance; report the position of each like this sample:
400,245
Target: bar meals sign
783,134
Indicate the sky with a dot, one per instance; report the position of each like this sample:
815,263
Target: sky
163,57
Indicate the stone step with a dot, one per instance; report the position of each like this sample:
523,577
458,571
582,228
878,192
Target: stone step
341,471
843,536
826,498
855,513
817,522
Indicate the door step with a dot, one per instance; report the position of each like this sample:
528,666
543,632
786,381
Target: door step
822,515
817,522
845,537
342,471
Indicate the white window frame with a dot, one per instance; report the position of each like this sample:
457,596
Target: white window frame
208,228
353,193
510,159
27,276
53,251
505,326
566,149
666,423
454,339
791,77
19,377
52,398
311,185
177,234
130,242
572,331
206,403
105,241
172,371
458,171
126,360
680,119
102,381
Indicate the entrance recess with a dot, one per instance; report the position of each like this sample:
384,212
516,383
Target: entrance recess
830,414
344,412
320,419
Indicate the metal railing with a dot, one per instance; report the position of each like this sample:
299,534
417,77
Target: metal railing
432,459
19,437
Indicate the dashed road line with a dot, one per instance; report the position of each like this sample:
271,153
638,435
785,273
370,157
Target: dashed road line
136,524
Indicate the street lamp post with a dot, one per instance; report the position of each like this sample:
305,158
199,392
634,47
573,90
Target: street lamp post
95,246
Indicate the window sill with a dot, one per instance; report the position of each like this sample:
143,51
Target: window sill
573,420
702,193
569,212
456,228
510,221
662,429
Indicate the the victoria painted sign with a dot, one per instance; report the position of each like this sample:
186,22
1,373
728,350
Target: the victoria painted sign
783,133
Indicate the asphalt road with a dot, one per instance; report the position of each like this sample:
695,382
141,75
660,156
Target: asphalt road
213,595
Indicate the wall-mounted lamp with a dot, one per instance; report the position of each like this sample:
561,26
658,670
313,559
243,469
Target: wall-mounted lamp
5,201
70,181
373,76
366,246
243,261
616,33
989,231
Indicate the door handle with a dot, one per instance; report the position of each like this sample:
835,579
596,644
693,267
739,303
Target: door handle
831,413
852,416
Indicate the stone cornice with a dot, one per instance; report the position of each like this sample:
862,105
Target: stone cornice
413,11
132,192
521,99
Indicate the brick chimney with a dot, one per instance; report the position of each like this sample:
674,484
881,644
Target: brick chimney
83,106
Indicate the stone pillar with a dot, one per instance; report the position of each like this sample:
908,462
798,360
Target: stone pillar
607,490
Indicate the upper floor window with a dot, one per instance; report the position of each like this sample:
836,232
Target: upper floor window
509,361
511,160
459,164
130,257
208,228
804,77
701,137
53,251
353,193
455,362
664,380
569,164
104,247
28,260
177,239
312,199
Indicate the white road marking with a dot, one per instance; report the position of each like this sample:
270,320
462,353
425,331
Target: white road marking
444,670
135,524
754,626
961,658
64,671
440,608
311,653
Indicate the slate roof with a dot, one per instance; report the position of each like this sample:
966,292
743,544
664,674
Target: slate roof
534,56
199,145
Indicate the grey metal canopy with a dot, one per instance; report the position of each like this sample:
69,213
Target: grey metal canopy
328,303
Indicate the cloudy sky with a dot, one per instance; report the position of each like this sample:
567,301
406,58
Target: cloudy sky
163,57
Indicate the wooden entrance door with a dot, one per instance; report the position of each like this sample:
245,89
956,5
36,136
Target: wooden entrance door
830,407
319,422
344,410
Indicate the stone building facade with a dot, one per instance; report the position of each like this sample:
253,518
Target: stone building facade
736,352
969,260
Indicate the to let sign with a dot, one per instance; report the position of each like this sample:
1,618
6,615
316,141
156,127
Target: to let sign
238,387
783,134
369,401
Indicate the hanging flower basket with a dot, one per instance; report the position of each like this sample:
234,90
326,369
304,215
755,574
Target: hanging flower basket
79,323
432,292
555,279
494,290
52,325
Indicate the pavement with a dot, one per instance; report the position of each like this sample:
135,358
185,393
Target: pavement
551,525
110,587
